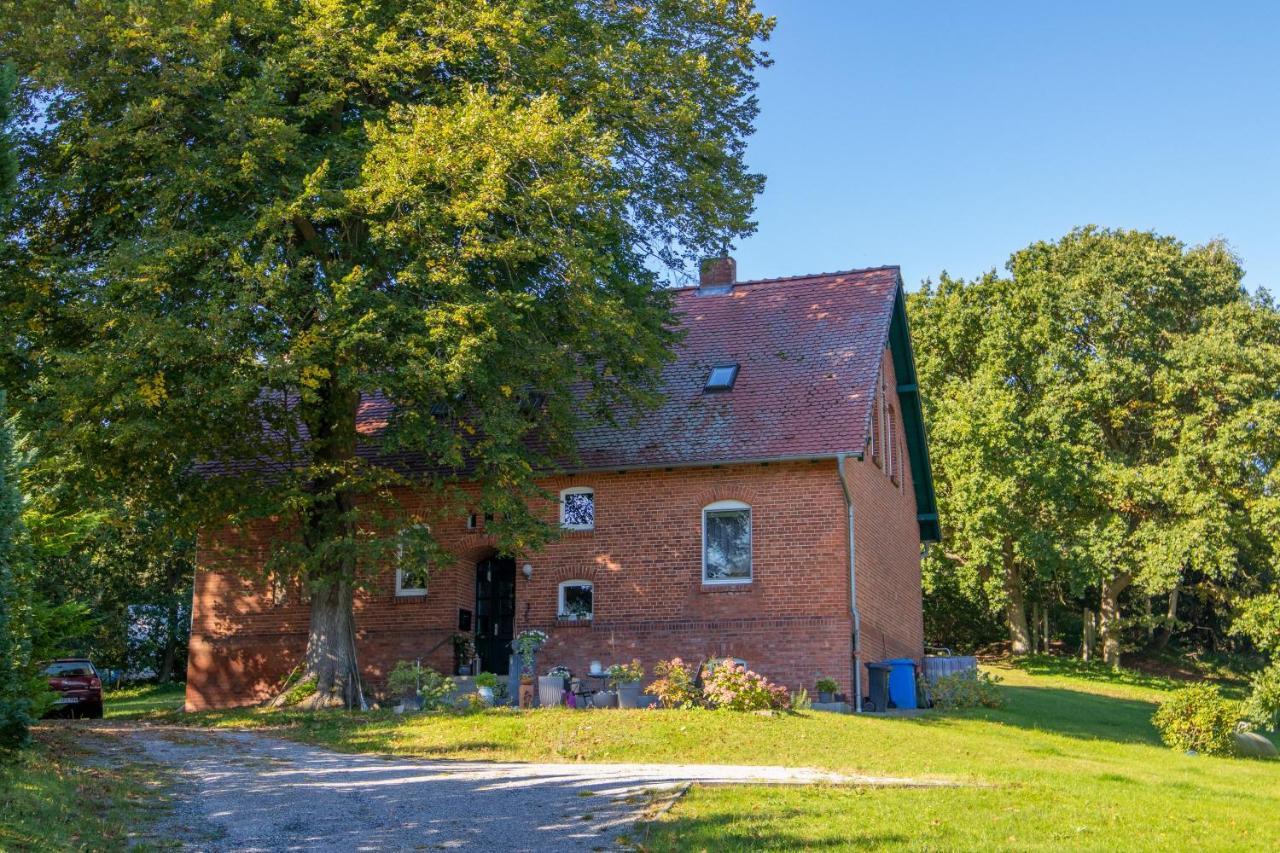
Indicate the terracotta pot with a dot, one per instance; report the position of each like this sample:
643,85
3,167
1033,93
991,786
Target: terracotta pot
526,691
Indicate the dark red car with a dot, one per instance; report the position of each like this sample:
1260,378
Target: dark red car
78,687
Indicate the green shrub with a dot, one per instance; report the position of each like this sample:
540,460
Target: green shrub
827,685
299,691
967,690
674,686
800,701
408,679
1262,708
487,679
1198,719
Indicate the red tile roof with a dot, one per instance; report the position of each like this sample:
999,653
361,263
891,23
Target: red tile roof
809,352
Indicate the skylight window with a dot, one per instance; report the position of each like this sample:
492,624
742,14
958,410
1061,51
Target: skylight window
722,377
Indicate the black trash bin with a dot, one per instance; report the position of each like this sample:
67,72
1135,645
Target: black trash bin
877,687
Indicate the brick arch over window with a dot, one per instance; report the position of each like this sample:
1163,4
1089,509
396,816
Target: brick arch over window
580,572
727,492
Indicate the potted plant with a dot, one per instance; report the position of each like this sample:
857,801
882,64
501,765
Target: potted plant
827,688
464,653
486,683
625,679
551,687
526,645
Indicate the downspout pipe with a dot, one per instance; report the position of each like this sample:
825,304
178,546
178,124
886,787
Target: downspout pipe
853,582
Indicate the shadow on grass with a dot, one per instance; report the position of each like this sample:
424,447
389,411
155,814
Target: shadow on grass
745,831
1062,711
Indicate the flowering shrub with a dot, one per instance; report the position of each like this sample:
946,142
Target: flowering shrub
626,673
526,645
739,689
674,687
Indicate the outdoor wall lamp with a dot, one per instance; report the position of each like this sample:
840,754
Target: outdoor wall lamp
527,571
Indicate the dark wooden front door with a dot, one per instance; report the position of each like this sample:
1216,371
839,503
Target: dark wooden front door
495,613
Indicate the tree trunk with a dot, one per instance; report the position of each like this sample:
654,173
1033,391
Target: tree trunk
1109,617
1015,605
331,651
1089,636
1046,629
1170,618
170,642
1034,628
329,535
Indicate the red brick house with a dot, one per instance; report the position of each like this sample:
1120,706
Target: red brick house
772,509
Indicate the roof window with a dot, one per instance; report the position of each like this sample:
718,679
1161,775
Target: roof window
722,377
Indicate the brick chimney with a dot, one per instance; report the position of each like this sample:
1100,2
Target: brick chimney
717,275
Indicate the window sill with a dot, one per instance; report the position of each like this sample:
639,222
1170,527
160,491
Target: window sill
564,622
408,597
735,586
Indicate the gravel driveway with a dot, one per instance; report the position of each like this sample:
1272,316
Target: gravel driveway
247,791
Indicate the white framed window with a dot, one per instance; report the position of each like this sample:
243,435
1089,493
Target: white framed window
726,542
473,522
578,508
577,601
411,562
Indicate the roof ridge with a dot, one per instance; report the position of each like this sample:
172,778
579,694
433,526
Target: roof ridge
803,277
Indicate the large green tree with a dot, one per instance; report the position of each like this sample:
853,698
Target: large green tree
239,219
1103,419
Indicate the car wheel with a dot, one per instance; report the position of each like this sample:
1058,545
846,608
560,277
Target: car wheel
93,712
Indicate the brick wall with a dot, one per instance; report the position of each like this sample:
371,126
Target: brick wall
791,622
887,539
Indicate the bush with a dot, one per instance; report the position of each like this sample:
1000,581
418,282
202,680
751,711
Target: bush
737,688
967,690
1198,719
827,685
1262,708
674,686
407,679
487,679
626,673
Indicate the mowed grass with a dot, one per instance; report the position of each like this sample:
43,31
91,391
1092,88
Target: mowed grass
142,700
65,794
1071,761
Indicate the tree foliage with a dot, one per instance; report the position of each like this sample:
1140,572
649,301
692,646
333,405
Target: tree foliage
242,221
1105,418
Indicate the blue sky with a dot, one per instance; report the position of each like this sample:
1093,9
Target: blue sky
947,135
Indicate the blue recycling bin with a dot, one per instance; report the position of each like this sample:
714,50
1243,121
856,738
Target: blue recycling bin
902,682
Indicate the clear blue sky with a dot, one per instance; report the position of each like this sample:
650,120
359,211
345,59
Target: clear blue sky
947,135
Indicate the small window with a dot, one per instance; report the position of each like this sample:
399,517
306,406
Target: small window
577,601
726,542
473,521
411,562
578,508
722,377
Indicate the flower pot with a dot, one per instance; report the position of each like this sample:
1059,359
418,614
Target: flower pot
464,669
629,695
550,691
526,691
486,695
826,698
603,699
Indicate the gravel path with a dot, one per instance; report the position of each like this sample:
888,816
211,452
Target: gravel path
248,792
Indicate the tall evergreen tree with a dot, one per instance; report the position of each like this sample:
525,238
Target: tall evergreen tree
240,221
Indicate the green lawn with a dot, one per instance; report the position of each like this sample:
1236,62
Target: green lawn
65,793
1071,761
142,700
